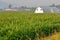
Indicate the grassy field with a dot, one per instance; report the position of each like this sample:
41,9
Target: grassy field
28,25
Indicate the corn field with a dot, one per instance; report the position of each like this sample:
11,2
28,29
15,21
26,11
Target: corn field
28,25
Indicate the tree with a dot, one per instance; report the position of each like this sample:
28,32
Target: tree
10,6
53,5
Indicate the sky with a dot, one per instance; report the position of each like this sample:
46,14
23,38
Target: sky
29,3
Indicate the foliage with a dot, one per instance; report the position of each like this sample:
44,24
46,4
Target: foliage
25,25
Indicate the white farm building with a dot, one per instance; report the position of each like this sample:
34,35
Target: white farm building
38,10
46,9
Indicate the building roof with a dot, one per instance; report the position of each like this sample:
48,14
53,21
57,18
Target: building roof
46,8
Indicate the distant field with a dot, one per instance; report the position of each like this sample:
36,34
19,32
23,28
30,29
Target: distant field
28,25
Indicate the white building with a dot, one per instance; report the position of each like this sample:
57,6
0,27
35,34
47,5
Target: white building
38,10
10,9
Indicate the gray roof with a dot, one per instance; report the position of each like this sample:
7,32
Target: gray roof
46,8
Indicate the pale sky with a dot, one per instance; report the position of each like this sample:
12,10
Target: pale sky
30,3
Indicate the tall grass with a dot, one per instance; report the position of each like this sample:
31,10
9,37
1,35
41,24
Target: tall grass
27,25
